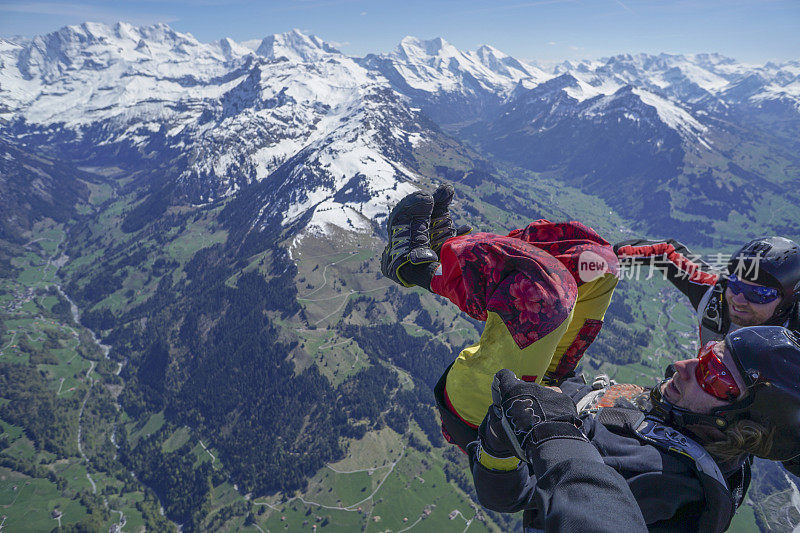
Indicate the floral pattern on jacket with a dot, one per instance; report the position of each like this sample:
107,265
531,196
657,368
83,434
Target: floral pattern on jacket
529,278
566,241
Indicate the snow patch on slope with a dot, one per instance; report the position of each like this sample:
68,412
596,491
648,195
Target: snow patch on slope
351,157
674,116
589,86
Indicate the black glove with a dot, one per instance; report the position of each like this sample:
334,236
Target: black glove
463,229
529,414
493,437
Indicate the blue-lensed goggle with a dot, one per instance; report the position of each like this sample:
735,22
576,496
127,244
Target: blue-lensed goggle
757,294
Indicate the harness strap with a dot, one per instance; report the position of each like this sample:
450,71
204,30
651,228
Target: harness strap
620,419
673,440
721,501
714,322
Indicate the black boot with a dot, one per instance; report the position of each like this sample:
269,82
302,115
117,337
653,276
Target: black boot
442,226
409,242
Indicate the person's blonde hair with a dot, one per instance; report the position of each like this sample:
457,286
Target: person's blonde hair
743,436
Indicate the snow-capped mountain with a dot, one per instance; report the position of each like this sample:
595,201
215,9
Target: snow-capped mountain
436,65
296,47
692,80
449,83
93,72
213,118
600,138
333,144
454,86
591,97
654,135
337,138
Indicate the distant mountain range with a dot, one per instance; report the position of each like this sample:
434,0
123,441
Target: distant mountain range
202,121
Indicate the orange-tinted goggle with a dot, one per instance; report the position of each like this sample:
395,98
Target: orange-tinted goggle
713,376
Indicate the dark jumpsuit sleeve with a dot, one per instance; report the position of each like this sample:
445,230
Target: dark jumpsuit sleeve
683,269
568,482
504,491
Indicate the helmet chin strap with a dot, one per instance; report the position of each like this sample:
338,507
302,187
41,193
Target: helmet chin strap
780,317
678,417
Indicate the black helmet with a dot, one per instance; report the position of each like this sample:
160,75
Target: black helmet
768,359
770,261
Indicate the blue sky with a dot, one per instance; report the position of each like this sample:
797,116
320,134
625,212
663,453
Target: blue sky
545,30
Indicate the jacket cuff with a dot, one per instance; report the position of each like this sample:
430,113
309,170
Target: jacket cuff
550,452
491,462
554,430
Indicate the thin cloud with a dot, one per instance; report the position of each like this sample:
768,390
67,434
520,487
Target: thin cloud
208,3
311,4
624,6
518,6
84,12
49,8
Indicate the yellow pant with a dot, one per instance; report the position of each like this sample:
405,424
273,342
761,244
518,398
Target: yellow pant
468,386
